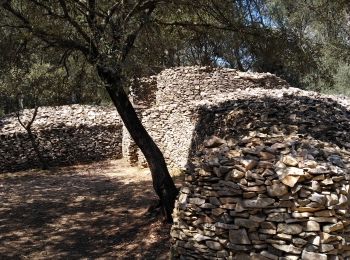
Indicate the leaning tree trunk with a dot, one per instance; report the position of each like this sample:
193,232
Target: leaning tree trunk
162,181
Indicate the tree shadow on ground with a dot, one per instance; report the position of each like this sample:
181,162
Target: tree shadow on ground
73,213
321,119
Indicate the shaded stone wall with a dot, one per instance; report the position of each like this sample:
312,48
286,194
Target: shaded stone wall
143,96
167,105
171,127
66,135
268,165
143,92
268,178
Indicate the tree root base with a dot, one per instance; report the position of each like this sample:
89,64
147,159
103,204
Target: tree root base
157,211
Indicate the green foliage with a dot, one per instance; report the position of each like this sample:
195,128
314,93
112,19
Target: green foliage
325,26
304,42
44,84
342,80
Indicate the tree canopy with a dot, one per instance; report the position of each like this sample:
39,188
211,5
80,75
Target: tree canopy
307,43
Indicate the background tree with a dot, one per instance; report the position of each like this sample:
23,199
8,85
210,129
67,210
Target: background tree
105,34
306,43
322,28
29,89
75,82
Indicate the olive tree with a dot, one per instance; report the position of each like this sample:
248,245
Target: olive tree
105,33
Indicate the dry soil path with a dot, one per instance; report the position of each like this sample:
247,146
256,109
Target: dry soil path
95,211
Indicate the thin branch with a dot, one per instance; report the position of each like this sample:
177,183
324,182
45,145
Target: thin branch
249,30
111,12
133,10
216,12
7,6
91,15
51,39
29,125
63,61
78,28
141,5
47,8
83,6
130,40
19,120
13,26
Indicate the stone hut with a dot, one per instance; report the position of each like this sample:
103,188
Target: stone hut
269,179
167,104
267,165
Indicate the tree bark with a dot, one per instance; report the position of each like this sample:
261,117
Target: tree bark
162,181
28,128
42,161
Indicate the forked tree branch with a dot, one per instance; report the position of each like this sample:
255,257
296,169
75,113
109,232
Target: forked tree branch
130,40
28,125
49,38
77,27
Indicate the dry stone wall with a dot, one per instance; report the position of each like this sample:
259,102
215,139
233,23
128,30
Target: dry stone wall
268,178
268,165
167,105
171,127
186,84
66,135
143,96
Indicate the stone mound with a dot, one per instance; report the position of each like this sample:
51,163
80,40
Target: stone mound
69,115
66,135
268,178
167,104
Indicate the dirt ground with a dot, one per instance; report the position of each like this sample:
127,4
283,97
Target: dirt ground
95,211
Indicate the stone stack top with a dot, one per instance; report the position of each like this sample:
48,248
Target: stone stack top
173,120
68,116
260,93
185,84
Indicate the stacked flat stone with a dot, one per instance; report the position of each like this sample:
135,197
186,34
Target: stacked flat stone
66,135
178,129
186,84
265,197
143,91
166,104
274,184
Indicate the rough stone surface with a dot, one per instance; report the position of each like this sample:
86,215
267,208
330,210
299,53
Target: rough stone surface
292,202
170,105
267,165
178,107
66,135
260,216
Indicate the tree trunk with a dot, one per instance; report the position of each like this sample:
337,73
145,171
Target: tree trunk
162,181
43,163
27,127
